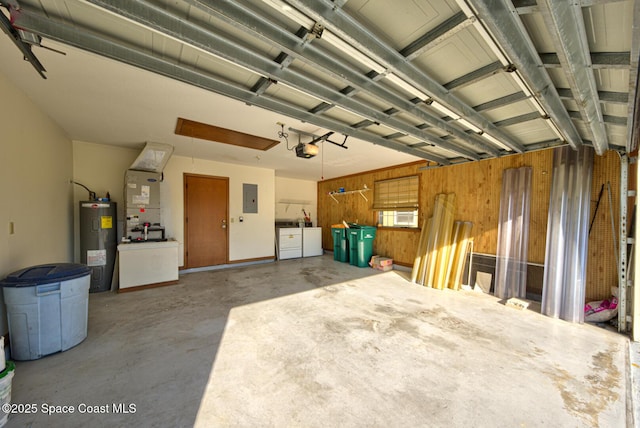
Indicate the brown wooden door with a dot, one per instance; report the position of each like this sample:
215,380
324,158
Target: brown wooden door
206,211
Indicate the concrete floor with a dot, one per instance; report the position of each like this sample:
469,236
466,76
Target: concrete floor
317,343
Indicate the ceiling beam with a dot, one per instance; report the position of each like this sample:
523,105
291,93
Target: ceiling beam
251,21
283,59
565,23
71,34
519,119
164,22
505,25
502,101
599,60
531,6
475,76
608,119
621,98
325,12
430,40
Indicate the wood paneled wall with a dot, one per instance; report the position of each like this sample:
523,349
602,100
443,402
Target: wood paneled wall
477,186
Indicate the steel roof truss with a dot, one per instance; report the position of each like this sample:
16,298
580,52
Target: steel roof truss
505,26
566,25
71,34
325,12
164,22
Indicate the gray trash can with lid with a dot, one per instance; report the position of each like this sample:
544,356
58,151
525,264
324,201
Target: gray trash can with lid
47,308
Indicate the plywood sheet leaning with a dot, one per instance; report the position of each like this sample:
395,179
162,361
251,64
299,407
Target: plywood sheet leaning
460,247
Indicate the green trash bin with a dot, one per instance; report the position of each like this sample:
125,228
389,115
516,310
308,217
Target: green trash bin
340,246
361,244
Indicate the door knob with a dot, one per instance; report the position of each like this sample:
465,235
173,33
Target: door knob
224,224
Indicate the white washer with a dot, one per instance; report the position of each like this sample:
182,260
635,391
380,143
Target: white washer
289,243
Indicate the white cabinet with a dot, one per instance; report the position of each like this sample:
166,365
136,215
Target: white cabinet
289,242
311,241
148,263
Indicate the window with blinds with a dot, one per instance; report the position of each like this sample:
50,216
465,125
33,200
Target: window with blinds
397,193
397,201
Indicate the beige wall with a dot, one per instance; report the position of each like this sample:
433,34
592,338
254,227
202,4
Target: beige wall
35,190
251,239
101,168
292,196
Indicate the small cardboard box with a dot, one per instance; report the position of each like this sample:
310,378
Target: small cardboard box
381,263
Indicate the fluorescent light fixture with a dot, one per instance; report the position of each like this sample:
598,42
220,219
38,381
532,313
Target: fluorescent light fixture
345,47
444,110
291,12
329,37
300,91
466,9
496,141
555,129
407,86
469,125
492,44
522,84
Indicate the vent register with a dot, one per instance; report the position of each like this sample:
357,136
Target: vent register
142,194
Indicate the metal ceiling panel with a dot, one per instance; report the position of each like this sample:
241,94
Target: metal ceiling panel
219,68
613,80
617,135
402,24
410,119
619,110
409,141
491,88
317,74
608,26
348,28
538,33
166,47
344,116
292,96
337,52
532,131
374,101
504,24
558,77
566,24
442,69
114,26
512,110
459,55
